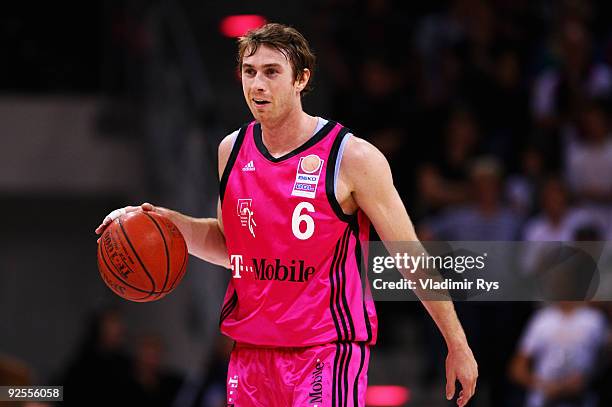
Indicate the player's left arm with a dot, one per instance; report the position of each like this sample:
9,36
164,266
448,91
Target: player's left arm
368,175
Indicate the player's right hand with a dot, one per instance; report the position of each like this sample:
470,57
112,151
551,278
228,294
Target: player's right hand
122,211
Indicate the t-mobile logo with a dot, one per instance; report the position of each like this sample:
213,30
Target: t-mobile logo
237,265
232,387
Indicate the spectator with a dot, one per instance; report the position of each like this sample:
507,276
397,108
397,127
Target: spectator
485,218
149,383
100,363
444,180
553,224
588,155
505,122
521,188
208,389
557,355
560,90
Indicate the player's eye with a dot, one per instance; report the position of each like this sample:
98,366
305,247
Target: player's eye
271,72
249,71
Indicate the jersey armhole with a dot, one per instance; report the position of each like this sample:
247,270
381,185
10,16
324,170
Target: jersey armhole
331,175
231,160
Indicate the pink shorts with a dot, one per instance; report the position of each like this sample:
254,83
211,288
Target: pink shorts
330,375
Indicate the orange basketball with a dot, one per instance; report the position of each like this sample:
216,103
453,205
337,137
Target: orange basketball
142,256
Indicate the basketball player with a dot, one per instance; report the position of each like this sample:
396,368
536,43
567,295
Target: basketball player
297,196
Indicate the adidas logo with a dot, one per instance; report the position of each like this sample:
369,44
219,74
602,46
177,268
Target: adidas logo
249,167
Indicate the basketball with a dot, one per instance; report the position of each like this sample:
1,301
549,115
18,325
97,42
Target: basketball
142,256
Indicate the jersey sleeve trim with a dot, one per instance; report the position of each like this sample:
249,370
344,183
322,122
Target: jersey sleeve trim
330,177
339,158
232,160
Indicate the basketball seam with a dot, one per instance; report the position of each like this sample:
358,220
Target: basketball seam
183,270
183,265
123,261
165,249
150,293
113,270
127,239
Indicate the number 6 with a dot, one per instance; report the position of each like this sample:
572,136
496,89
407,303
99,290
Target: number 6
298,218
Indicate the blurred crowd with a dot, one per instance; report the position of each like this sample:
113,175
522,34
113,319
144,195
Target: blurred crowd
496,118
496,112
113,365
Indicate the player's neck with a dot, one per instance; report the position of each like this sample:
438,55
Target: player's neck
284,136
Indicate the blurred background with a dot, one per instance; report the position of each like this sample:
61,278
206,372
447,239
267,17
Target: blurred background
494,115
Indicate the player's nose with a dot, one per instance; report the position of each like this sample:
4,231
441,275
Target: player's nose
258,83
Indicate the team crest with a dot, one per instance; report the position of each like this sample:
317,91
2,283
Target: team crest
245,212
307,176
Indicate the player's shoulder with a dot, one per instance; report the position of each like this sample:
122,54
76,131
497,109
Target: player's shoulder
225,146
359,154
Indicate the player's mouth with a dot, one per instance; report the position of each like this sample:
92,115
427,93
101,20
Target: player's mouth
260,102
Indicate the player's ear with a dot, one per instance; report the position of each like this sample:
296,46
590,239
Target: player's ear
302,80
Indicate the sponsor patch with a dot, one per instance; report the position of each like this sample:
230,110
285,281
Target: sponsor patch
307,176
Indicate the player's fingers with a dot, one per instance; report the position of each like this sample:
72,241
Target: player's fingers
103,225
450,384
472,383
468,387
461,401
115,214
473,389
112,216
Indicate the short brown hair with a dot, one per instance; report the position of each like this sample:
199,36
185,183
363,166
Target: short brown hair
285,39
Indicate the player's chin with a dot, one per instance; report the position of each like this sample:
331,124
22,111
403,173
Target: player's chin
260,113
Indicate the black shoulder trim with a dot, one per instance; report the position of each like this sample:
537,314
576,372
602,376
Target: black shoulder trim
231,160
318,136
330,174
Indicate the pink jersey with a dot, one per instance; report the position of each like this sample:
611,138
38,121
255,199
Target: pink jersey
297,260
